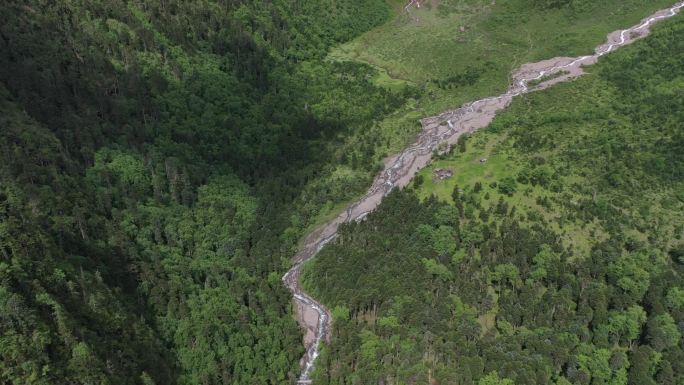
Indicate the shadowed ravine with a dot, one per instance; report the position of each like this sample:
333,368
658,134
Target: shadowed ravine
399,169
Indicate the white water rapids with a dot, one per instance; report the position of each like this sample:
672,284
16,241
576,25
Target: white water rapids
444,128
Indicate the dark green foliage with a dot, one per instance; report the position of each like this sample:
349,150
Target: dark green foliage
467,78
418,181
507,186
154,155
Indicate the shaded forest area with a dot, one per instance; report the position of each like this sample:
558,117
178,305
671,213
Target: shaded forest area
154,155
566,266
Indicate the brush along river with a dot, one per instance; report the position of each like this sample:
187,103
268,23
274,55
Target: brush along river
445,128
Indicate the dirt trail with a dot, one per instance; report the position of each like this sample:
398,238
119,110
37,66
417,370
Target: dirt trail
399,169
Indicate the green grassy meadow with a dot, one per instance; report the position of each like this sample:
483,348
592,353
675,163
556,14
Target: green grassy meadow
458,51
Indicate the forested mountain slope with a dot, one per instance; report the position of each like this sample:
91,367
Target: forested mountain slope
160,160
555,255
153,158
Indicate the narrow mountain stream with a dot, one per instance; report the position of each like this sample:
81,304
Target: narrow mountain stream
399,169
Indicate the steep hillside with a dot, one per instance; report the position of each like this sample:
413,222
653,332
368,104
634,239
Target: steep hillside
161,161
153,159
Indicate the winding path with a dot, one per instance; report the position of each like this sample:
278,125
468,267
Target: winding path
399,169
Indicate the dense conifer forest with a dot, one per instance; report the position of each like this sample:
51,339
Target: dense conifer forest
153,158
558,259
